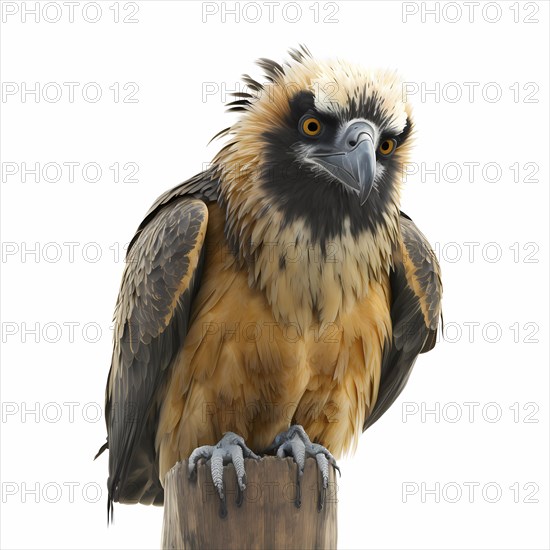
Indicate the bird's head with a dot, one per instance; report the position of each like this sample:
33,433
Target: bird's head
320,145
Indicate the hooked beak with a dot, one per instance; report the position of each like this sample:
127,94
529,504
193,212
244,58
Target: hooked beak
352,159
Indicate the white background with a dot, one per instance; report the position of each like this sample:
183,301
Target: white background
173,52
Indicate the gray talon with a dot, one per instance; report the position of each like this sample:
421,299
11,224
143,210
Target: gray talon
230,448
296,443
322,463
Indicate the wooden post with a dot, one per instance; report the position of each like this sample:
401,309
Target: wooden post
267,516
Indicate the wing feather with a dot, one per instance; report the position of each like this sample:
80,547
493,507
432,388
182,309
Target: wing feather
415,311
161,276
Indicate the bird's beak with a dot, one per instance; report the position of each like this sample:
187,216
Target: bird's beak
352,159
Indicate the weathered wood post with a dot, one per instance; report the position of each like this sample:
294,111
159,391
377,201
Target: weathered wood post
267,516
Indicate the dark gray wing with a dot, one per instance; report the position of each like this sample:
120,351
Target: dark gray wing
161,277
415,312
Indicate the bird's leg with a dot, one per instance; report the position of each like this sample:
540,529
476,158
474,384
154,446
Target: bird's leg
230,448
296,443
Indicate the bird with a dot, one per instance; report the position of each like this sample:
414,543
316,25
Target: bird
277,301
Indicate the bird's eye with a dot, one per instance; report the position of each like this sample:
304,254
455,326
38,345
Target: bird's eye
387,147
310,126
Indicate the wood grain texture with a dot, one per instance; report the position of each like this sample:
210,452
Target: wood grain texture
267,517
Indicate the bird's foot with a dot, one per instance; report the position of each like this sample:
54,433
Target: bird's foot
296,443
230,448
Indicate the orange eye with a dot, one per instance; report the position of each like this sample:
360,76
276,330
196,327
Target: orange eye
311,126
387,147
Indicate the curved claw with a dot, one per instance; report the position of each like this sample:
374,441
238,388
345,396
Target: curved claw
230,448
240,495
296,443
